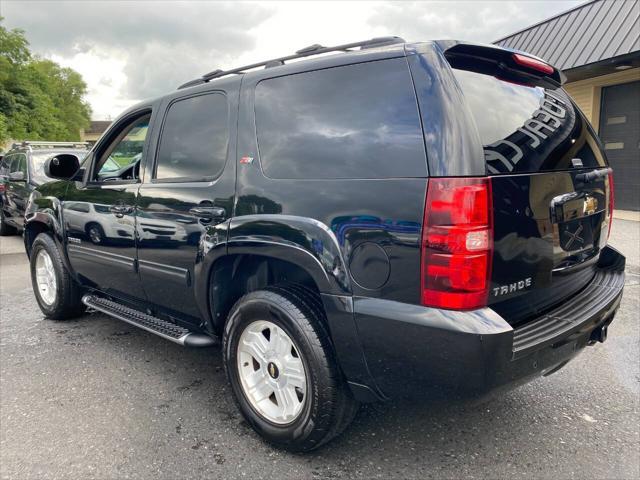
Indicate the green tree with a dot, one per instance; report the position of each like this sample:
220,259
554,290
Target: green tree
39,99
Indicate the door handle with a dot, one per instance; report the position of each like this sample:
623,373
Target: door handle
121,210
215,213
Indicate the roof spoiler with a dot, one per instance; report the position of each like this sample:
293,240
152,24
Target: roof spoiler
505,63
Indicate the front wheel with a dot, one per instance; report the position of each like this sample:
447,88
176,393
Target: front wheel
95,233
57,293
282,368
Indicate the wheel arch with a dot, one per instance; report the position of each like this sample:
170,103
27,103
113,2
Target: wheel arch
37,224
264,249
241,272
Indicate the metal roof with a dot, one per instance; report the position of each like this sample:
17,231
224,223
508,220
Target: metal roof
589,33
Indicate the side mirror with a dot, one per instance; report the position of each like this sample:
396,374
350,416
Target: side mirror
16,177
62,166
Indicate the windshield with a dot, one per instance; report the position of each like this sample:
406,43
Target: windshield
37,164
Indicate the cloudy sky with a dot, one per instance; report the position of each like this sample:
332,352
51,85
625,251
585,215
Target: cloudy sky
130,50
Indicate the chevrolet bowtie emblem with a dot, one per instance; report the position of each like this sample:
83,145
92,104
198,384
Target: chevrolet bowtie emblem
590,205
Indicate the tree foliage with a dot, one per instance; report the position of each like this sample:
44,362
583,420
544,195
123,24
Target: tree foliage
39,99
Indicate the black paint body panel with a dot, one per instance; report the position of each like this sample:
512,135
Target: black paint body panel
357,239
417,351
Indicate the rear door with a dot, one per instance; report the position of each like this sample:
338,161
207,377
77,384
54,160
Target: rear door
186,196
18,190
550,188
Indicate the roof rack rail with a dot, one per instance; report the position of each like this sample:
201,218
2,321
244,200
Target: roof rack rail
44,144
314,49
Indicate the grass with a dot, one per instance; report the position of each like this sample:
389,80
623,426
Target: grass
123,161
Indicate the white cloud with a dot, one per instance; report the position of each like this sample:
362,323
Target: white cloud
127,51
104,74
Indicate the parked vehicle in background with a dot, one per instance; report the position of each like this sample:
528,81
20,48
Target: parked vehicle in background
355,227
21,171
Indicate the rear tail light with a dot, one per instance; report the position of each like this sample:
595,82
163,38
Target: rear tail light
611,202
1,187
533,63
457,243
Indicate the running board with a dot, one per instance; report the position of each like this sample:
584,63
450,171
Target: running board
163,328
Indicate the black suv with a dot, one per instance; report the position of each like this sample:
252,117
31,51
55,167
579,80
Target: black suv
382,221
21,171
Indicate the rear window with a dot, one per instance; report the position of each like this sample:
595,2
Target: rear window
526,129
356,121
5,165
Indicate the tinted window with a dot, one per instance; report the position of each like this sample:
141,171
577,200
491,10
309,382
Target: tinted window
357,121
101,208
22,166
194,139
527,128
18,163
15,163
125,150
78,207
5,165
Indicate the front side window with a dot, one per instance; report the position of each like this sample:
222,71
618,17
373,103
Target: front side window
22,164
354,121
121,159
194,139
15,163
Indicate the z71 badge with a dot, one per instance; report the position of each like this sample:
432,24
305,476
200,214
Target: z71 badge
512,287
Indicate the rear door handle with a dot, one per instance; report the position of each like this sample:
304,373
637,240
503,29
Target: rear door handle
215,213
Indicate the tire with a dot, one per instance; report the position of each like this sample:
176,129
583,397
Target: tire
6,230
95,233
327,406
65,301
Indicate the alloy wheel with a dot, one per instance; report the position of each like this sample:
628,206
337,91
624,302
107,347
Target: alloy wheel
271,372
46,277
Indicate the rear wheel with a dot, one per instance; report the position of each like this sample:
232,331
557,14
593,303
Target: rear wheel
57,294
5,230
282,368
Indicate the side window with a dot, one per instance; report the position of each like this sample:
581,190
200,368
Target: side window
121,159
5,166
15,163
194,139
81,207
355,121
22,165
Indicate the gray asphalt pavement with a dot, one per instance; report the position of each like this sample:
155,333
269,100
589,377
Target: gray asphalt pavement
96,398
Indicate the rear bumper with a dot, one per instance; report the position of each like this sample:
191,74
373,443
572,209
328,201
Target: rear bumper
409,349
